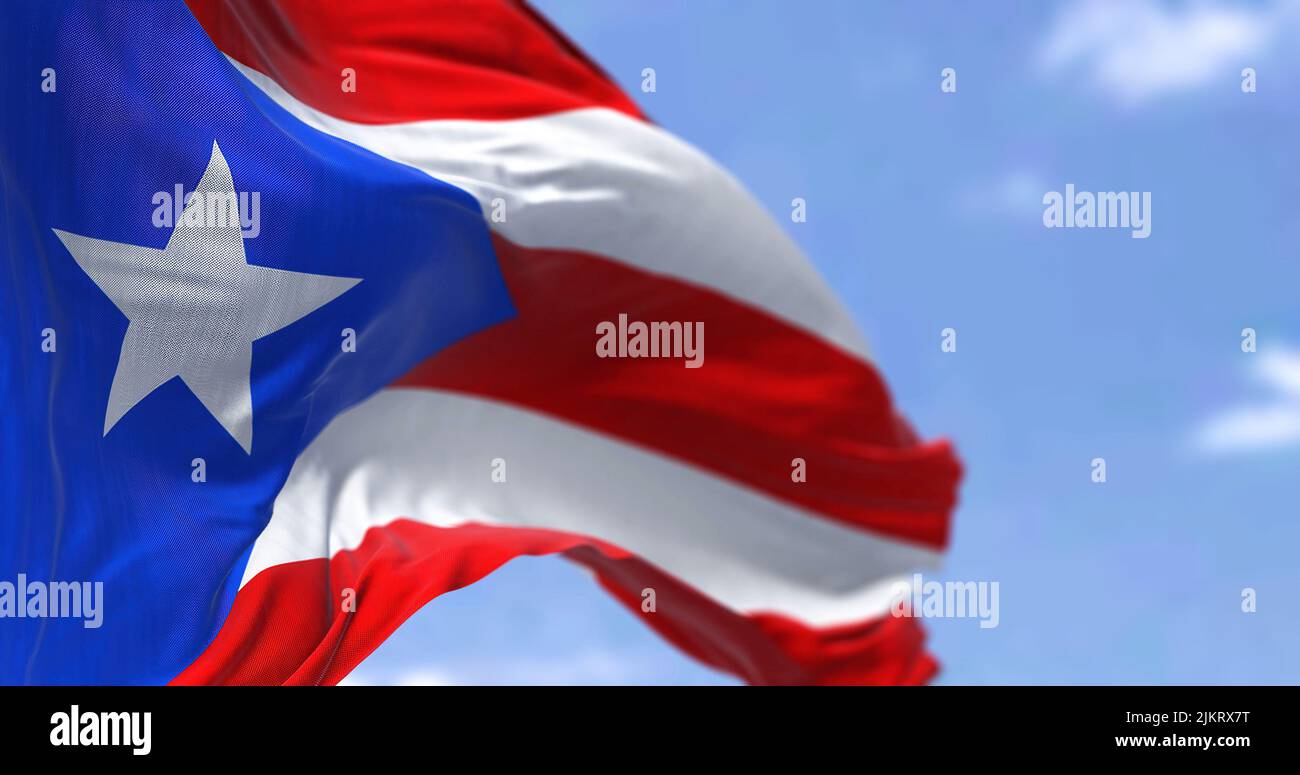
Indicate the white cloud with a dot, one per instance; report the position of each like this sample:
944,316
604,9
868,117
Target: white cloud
413,677
1017,193
588,666
1133,50
1271,424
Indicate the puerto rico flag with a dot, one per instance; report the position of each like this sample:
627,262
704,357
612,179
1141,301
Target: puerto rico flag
303,305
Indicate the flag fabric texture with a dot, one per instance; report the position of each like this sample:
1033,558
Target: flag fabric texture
274,437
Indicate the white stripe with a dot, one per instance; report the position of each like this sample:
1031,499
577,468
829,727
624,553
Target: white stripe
599,181
427,455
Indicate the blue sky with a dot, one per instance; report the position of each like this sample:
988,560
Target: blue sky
925,212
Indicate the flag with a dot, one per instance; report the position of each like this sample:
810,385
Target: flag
314,312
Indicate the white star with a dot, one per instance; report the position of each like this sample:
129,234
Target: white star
195,308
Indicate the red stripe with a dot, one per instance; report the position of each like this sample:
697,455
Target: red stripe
414,59
288,624
767,393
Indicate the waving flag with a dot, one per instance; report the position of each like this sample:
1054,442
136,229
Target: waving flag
304,306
